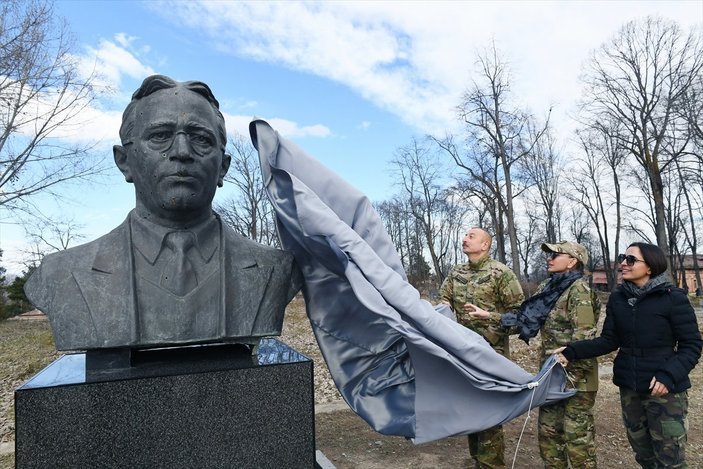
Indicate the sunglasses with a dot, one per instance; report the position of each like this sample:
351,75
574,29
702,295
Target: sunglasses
554,255
629,259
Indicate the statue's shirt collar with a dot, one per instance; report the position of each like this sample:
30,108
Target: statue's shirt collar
148,237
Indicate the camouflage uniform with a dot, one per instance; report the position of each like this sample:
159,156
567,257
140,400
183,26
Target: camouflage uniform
656,427
566,428
492,286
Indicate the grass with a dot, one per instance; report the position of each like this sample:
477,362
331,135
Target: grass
26,346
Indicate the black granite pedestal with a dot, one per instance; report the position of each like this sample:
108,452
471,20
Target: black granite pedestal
215,408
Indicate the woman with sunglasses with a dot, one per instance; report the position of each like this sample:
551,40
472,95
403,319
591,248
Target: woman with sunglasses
654,327
563,309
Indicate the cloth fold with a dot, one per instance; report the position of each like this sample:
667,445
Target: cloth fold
405,368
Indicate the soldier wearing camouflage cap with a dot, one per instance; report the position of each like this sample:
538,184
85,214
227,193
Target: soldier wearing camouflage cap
566,431
574,250
486,283
563,309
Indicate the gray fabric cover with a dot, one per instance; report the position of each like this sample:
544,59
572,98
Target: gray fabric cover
402,366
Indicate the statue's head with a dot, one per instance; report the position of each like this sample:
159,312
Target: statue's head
173,149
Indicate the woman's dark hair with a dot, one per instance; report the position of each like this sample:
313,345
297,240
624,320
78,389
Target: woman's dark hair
653,256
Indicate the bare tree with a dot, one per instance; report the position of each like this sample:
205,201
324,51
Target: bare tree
248,211
421,177
690,109
580,231
692,198
462,221
481,187
42,94
637,78
638,207
46,234
674,200
526,237
450,224
402,228
394,216
407,235
500,130
596,188
689,169
53,234
542,169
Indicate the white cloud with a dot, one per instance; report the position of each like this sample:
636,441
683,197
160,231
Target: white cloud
337,42
249,104
94,121
124,40
97,121
92,125
414,59
113,60
293,130
67,115
237,104
237,124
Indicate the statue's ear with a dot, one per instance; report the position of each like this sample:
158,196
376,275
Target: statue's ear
226,160
120,154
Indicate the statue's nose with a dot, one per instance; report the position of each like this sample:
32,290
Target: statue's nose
181,146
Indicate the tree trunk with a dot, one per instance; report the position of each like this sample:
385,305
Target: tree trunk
514,253
659,210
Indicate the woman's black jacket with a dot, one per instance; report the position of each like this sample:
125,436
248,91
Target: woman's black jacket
658,336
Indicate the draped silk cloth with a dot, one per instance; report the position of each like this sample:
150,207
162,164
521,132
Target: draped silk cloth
401,365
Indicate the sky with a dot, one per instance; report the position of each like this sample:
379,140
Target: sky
349,82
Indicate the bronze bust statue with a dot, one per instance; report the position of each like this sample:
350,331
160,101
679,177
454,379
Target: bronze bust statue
172,272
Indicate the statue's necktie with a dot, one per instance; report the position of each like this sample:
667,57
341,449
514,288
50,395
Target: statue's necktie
179,275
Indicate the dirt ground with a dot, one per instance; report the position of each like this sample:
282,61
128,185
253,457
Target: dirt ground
345,439
348,442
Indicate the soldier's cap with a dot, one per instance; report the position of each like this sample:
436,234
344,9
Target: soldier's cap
575,250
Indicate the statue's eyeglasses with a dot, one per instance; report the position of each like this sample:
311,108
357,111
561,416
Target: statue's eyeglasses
200,141
628,258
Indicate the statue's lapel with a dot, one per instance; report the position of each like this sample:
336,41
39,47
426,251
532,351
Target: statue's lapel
107,289
246,283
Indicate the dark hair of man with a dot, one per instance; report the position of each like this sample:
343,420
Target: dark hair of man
653,256
155,83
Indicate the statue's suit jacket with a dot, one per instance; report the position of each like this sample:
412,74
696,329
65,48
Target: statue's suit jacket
87,292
